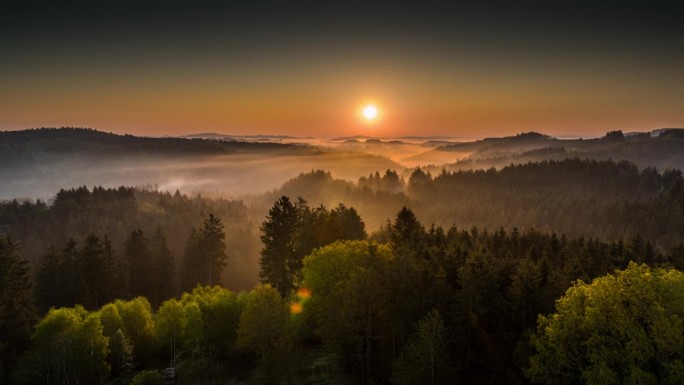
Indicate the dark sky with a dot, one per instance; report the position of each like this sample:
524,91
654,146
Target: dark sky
306,68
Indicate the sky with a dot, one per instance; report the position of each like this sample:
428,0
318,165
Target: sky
307,68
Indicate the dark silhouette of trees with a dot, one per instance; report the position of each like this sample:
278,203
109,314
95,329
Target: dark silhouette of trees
17,313
163,270
141,280
280,237
150,266
292,231
205,255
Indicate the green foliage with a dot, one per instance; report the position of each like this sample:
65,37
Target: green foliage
427,355
348,299
264,328
292,231
147,377
623,328
120,353
138,326
71,347
263,323
218,318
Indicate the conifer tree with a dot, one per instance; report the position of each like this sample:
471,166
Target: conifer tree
17,314
280,245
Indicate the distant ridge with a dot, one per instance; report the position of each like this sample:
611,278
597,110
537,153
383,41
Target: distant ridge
662,148
212,135
98,144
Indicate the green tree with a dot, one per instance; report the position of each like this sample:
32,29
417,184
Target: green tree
71,347
623,328
139,327
120,353
147,377
427,356
17,314
264,329
171,324
280,232
348,299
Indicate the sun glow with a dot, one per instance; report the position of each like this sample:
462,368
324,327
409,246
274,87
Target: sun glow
370,112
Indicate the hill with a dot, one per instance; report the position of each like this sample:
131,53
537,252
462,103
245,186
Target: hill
662,149
35,163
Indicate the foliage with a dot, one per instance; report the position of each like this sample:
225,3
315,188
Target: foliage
427,356
292,230
623,328
71,347
147,377
264,328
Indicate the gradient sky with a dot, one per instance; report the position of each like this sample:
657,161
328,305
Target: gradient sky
306,68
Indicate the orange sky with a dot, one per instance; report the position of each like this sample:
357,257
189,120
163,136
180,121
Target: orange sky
311,80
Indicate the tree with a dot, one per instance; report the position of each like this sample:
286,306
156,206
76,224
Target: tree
190,276
214,249
427,355
98,268
407,234
171,323
49,281
71,347
280,252
147,377
120,353
17,314
264,329
138,326
163,270
346,224
59,281
623,328
348,300
139,261
205,256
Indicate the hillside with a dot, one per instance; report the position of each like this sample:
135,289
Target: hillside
35,163
662,149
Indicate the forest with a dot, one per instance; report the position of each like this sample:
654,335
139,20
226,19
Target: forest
552,272
409,303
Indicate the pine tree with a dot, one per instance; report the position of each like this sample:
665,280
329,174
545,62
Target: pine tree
190,277
139,264
205,255
280,245
17,314
213,247
163,267
98,268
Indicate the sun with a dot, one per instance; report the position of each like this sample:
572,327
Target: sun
370,112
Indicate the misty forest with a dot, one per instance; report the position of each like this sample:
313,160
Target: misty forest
520,260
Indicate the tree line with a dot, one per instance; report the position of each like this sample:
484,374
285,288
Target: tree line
409,304
577,197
